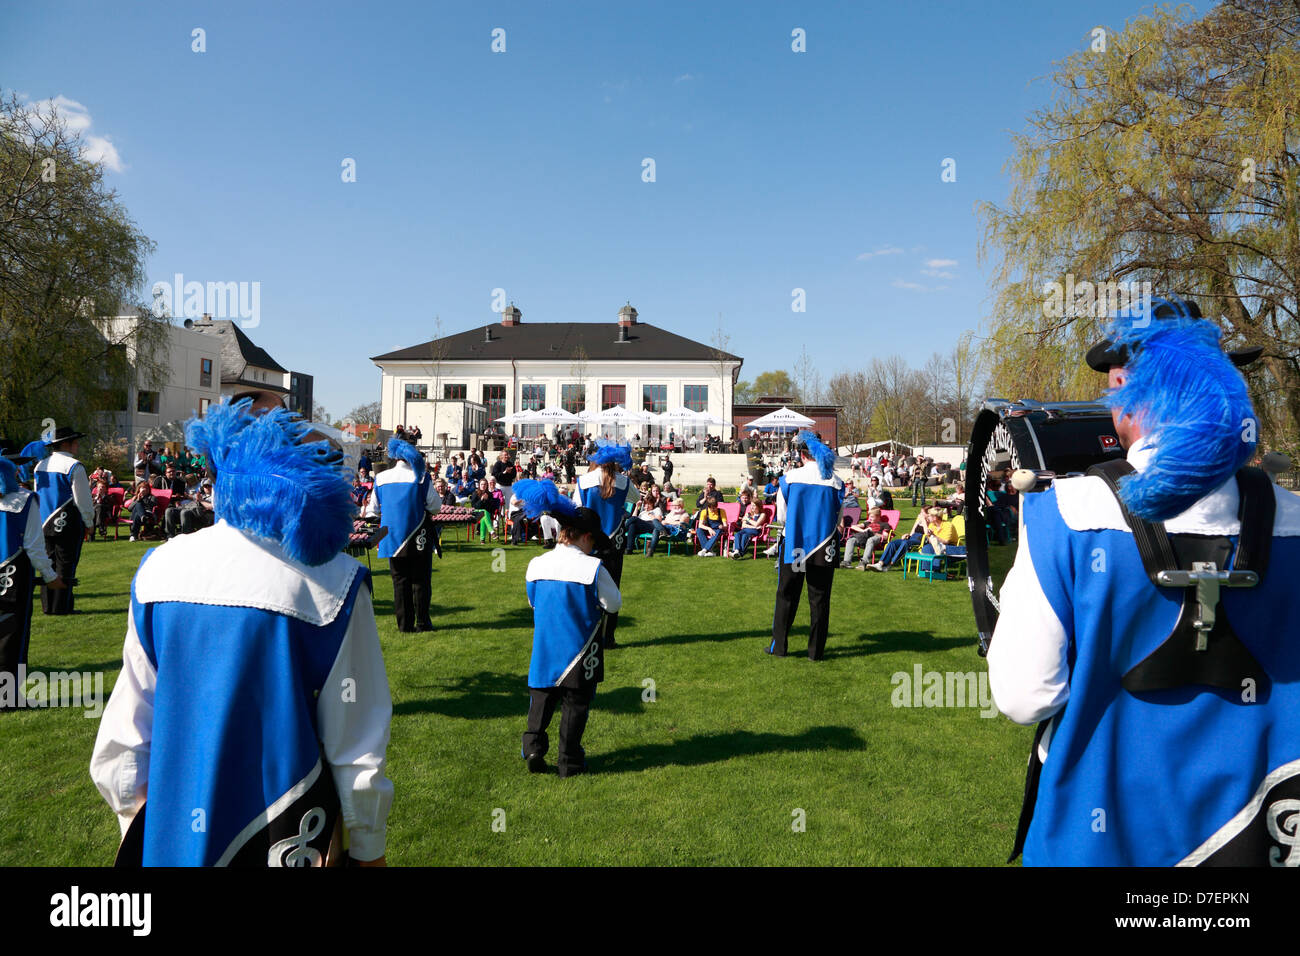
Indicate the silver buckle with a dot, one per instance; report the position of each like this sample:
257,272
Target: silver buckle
1207,579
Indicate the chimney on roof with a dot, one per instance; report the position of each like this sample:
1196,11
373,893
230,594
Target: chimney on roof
487,334
511,316
622,333
626,318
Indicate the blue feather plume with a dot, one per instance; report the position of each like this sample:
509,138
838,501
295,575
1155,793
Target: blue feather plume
824,457
8,476
1192,402
399,450
270,484
539,497
608,450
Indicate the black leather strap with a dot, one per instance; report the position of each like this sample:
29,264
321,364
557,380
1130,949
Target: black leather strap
1256,511
1152,540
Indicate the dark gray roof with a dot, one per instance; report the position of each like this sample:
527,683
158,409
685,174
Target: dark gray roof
558,341
237,349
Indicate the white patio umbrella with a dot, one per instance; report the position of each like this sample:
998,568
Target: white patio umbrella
547,416
783,419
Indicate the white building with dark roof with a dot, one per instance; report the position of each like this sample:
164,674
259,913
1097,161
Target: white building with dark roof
512,366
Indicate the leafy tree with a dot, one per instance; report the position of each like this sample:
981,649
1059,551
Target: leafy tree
774,383
70,260
853,392
1171,156
367,414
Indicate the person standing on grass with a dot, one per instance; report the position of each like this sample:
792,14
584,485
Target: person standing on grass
405,497
67,510
570,592
810,500
23,555
606,490
250,723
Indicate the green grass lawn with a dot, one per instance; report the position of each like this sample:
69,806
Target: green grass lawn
709,772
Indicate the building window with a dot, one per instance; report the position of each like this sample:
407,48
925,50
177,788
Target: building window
573,398
417,392
455,392
611,395
146,403
534,397
203,406
696,397
654,398
205,373
494,397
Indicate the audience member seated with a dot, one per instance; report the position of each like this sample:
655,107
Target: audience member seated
710,488
141,507
931,531
770,489
868,534
710,525
754,519
649,509
486,504
103,504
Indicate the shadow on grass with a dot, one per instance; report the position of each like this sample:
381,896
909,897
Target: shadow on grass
755,634
523,617
886,642
46,666
711,748
482,696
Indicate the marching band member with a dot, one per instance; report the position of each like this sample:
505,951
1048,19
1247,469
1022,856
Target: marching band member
22,553
252,711
405,497
606,490
810,500
67,510
1168,710
571,592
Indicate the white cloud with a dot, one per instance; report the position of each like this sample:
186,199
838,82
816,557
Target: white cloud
684,78
937,274
903,284
94,148
886,251
940,263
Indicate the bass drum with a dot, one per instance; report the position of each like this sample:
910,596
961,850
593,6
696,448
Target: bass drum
1064,438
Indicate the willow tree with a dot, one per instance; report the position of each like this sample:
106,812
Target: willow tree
1169,156
70,257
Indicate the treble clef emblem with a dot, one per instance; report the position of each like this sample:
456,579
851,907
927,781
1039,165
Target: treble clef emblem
295,850
592,659
420,539
7,578
1284,827
60,521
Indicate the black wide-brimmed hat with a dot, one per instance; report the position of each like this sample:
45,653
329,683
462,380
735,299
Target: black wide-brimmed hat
64,433
1107,354
17,458
584,521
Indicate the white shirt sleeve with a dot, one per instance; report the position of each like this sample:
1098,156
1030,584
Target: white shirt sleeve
354,713
432,503
780,504
119,765
81,495
607,592
1029,671
34,545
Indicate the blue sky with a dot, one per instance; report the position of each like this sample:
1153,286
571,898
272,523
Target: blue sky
522,170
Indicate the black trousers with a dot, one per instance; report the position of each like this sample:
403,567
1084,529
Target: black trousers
573,721
412,584
64,549
789,588
613,562
15,613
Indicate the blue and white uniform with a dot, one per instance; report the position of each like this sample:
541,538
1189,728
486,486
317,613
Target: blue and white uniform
810,507
613,511
252,700
568,591
1151,778
22,552
403,502
64,492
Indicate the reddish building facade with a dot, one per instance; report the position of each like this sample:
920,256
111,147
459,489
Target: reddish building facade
825,417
